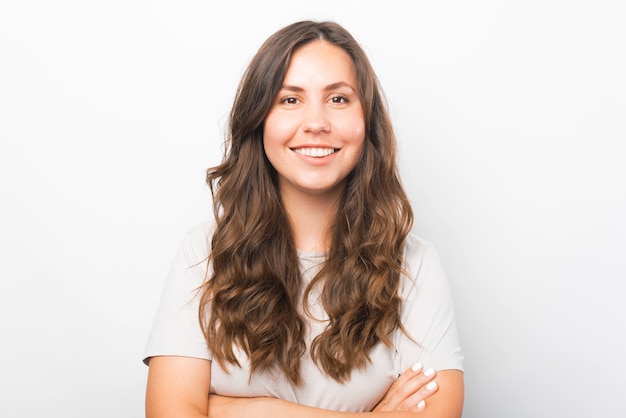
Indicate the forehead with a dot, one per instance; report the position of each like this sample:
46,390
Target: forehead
320,62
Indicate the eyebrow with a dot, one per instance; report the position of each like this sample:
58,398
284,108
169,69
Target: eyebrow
332,86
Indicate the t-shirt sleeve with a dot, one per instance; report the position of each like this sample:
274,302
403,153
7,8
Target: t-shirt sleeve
176,329
427,313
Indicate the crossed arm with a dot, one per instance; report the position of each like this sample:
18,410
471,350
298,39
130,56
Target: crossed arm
178,387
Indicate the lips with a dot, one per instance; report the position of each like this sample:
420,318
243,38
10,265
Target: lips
315,152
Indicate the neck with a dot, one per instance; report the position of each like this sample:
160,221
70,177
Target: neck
311,217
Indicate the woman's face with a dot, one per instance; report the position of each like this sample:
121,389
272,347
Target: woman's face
314,132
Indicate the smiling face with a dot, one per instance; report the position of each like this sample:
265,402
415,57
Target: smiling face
313,134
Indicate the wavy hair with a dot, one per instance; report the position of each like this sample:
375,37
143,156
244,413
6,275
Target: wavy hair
250,301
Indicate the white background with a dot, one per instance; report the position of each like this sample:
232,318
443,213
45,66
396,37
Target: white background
511,118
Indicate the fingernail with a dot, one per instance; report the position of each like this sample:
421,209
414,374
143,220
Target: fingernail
417,367
421,404
431,385
429,372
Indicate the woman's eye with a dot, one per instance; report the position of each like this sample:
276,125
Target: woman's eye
339,99
290,100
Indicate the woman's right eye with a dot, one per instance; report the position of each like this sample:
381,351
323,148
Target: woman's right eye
289,100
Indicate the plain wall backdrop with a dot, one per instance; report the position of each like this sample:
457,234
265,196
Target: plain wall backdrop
511,121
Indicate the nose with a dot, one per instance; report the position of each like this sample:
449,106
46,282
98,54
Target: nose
315,119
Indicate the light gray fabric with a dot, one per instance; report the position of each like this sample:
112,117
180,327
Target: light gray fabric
427,315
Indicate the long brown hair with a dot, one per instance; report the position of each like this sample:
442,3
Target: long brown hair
251,299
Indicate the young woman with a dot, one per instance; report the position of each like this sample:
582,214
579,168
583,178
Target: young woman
307,295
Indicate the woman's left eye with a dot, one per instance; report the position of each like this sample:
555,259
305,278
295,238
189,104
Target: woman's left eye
339,99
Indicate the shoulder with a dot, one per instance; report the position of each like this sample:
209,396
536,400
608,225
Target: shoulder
427,311
201,231
418,253
176,331
423,268
196,242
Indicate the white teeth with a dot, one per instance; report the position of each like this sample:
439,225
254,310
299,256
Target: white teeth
314,152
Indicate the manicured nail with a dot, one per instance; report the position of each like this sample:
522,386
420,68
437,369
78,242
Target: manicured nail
421,405
429,372
431,385
417,367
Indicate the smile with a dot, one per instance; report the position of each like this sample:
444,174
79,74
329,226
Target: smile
315,152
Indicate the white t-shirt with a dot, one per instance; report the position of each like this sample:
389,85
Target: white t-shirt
427,314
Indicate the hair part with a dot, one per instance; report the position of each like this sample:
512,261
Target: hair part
251,299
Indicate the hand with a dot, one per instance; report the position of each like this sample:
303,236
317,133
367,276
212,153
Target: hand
409,391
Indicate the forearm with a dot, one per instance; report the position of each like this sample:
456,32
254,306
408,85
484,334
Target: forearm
446,402
224,407
276,408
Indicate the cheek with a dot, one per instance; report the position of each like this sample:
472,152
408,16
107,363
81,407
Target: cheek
354,133
352,128
268,129
359,139
278,127
360,134
275,135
